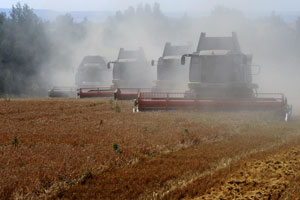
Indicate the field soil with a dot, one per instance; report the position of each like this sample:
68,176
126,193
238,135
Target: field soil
100,149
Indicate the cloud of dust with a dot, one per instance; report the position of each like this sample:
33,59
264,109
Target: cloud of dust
271,41
142,27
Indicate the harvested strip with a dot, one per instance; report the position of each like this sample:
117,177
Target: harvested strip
260,179
153,174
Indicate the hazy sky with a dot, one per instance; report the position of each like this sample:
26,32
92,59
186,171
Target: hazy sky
166,5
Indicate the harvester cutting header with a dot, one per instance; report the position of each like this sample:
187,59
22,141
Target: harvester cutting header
220,78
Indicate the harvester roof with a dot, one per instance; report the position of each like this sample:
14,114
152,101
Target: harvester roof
172,50
131,55
92,61
219,43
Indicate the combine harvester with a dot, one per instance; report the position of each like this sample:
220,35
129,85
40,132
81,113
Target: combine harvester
131,74
220,79
171,76
91,73
93,76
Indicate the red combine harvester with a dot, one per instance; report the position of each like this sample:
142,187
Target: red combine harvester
131,74
220,79
171,76
93,78
91,73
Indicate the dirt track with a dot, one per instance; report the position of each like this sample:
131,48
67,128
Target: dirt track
65,150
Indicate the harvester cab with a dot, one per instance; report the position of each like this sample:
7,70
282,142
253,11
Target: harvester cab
131,69
131,74
93,78
171,76
218,69
92,72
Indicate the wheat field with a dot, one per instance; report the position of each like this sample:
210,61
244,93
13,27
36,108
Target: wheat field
100,149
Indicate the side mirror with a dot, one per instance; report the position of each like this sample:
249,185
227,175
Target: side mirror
152,62
183,60
109,65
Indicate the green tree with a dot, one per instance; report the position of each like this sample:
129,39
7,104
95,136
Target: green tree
23,48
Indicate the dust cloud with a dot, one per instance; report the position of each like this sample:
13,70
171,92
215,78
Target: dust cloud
273,43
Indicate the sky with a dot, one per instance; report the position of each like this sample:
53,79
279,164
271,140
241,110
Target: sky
166,5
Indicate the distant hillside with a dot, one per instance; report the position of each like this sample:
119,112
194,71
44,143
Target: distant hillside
77,15
289,17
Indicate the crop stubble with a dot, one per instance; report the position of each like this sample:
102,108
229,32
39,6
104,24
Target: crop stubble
162,154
